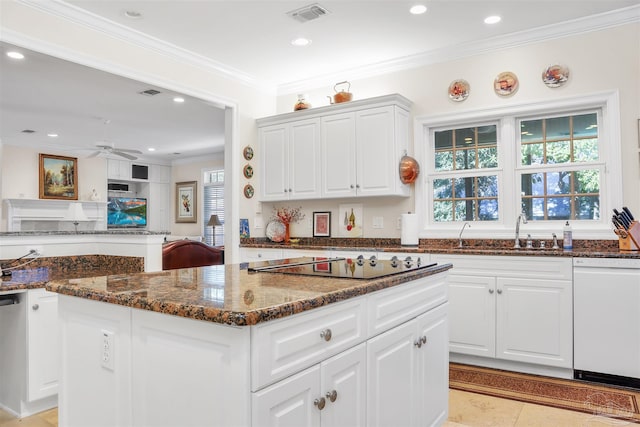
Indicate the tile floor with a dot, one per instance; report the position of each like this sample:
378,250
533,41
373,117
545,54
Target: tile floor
465,410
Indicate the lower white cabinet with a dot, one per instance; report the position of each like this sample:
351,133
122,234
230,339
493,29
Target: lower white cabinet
415,353
512,308
42,344
259,254
329,394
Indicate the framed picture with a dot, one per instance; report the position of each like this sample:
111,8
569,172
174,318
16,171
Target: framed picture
321,224
244,228
186,201
58,177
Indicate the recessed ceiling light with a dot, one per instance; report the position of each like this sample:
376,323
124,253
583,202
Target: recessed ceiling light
151,149
301,42
15,55
178,99
132,14
52,135
494,19
418,9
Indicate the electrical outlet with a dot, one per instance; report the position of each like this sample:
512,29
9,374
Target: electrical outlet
378,222
107,351
35,251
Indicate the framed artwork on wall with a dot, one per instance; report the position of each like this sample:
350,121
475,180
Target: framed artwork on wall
322,224
58,177
186,201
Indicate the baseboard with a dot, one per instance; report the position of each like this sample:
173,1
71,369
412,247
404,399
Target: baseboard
509,365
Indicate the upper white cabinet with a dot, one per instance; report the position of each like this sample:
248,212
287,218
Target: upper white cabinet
351,149
118,169
291,160
361,152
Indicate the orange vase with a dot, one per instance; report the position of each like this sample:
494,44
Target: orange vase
286,233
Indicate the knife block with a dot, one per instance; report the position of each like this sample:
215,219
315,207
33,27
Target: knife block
627,243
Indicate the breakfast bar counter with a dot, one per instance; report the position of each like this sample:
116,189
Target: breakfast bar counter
225,346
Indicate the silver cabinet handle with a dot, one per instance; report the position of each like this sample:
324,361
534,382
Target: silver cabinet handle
423,339
351,186
290,191
326,334
320,403
357,185
490,291
499,291
332,395
35,306
418,343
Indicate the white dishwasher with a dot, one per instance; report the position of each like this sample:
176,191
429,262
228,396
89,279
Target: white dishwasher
606,305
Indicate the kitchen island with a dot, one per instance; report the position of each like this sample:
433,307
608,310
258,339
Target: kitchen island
222,346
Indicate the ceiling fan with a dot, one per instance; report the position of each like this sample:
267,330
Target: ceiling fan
110,149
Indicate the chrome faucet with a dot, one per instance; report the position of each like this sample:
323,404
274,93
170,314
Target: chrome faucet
522,217
460,235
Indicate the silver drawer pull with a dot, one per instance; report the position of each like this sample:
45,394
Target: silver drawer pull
499,291
418,343
326,334
332,395
490,291
35,306
320,403
423,339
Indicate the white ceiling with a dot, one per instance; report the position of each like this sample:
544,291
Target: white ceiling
249,40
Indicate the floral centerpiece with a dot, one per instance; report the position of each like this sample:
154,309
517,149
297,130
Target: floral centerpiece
287,216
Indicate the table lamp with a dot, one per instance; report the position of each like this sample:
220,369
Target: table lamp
213,221
75,213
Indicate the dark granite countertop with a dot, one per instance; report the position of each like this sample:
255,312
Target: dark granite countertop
227,294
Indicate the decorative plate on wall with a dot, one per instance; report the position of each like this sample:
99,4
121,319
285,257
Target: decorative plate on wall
459,90
555,76
506,84
247,171
248,191
247,152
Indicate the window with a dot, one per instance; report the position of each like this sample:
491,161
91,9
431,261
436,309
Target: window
464,178
555,161
561,171
213,205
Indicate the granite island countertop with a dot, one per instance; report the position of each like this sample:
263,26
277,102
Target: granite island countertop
227,294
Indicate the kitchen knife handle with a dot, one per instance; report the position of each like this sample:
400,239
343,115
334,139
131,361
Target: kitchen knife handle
628,212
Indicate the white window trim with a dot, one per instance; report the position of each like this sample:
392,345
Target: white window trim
610,191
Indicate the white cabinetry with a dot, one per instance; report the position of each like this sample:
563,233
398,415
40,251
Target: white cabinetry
290,154
118,169
259,254
343,150
516,309
361,152
42,344
416,352
331,394
158,210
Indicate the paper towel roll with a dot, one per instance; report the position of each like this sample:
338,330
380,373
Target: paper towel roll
409,231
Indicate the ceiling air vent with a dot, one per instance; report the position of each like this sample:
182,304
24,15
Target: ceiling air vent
28,131
150,92
308,13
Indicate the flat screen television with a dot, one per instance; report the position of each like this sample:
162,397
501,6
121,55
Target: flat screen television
125,212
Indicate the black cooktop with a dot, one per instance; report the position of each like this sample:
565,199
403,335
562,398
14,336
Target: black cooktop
343,268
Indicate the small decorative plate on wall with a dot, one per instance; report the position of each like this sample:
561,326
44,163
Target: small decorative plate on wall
247,152
458,90
248,191
247,171
555,75
506,84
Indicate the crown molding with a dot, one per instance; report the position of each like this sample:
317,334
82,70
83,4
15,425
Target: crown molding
549,32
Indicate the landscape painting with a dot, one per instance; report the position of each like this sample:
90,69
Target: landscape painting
58,177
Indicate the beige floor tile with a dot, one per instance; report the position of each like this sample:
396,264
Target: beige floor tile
50,416
5,417
476,410
538,415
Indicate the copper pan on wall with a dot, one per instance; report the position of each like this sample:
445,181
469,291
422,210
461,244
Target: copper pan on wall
409,169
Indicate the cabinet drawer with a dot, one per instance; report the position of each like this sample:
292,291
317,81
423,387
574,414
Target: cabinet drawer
282,347
540,267
393,306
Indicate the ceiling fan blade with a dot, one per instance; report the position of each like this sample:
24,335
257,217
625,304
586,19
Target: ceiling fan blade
125,155
123,150
94,154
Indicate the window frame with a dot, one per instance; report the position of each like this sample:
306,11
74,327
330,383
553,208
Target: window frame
511,169
206,182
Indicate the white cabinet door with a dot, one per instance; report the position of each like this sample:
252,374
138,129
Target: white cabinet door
535,321
160,174
472,315
158,212
274,141
433,404
290,402
118,169
42,341
304,159
392,384
259,254
339,155
376,154
343,386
